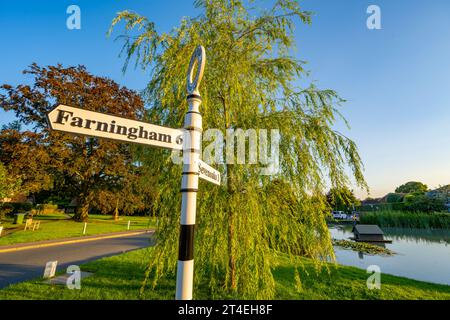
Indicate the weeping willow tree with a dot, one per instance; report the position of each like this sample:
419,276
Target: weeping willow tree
249,83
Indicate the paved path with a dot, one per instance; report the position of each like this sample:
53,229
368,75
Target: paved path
30,263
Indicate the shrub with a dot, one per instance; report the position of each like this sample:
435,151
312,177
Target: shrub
10,208
46,208
5,211
403,219
422,203
394,198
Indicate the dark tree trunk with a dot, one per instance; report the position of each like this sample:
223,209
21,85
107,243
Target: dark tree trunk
231,234
116,210
82,212
231,254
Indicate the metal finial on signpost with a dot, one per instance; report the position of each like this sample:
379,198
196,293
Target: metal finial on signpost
198,61
189,182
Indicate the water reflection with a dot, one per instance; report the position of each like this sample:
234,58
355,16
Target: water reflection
420,254
418,235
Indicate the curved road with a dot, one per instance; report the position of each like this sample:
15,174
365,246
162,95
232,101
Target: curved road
30,263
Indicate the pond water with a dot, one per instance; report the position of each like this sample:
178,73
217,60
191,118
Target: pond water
420,254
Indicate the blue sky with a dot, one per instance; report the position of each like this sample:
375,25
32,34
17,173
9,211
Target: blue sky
396,80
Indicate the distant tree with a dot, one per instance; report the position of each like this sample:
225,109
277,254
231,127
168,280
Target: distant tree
342,198
394,198
15,125
444,190
9,185
370,199
27,158
129,199
411,187
83,166
419,202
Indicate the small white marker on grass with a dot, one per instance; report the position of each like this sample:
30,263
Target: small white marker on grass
50,269
84,228
128,227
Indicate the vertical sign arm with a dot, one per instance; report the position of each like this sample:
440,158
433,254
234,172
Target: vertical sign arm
189,182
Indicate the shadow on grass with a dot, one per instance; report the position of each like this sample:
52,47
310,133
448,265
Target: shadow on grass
342,283
121,277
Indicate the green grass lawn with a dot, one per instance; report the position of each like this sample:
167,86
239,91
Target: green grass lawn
58,226
120,277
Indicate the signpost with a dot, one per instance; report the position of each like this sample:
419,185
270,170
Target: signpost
79,121
189,181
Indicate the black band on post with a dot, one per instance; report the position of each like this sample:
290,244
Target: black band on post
186,173
189,190
193,96
186,243
192,150
193,129
196,112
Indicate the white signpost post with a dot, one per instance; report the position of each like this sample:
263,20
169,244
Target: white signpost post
89,123
189,181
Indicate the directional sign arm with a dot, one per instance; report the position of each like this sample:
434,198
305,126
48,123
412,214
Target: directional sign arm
208,173
95,124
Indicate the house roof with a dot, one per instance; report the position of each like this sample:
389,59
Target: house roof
371,202
368,229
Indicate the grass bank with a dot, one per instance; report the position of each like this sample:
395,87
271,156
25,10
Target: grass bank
403,219
58,226
120,277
